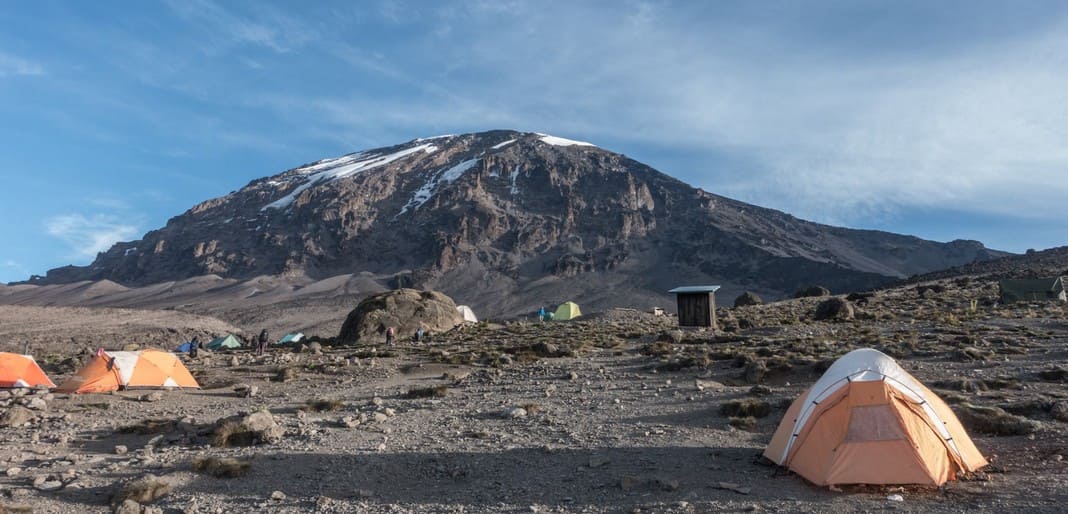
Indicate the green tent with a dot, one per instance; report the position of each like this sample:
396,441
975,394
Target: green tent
293,337
567,311
227,342
1032,290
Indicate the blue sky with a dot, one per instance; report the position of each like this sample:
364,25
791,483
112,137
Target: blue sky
940,119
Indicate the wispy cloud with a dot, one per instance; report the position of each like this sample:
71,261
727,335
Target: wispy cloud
11,65
89,235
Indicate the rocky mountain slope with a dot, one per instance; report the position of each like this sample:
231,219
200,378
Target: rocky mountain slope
506,221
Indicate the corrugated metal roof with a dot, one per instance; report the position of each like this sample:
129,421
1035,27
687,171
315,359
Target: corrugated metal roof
695,289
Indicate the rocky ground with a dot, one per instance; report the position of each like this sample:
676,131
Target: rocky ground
617,413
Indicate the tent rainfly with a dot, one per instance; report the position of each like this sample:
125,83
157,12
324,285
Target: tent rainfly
227,342
868,421
294,337
185,347
467,313
567,311
17,370
1032,290
111,371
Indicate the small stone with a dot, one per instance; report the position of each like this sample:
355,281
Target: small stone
517,413
1060,410
152,397
234,361
376,401
390,412
379,417
572,376
895,498
668,484
349,422
121,449
278,496
37,404
51,485
128,507
599,460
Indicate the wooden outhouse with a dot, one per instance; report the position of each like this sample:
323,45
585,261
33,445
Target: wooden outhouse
697,306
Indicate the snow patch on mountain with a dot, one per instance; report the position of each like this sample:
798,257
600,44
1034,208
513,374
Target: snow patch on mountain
498,146
428,189
559,141
333,169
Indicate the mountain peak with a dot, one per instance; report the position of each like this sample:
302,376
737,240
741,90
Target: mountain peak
512,213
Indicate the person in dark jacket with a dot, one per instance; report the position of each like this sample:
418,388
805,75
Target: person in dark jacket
262,346
389,335
194,347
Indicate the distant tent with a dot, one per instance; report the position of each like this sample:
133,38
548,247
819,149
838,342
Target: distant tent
291,338
185,347
567,311
18,370
227,342
1032,290
110,371
868,421
467,313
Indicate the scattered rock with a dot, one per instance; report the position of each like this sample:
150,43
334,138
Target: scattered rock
143,490
152,397
247,390
630,482
256,428
37,404
516,413
730,486
127,507
813,292
748,298
747,407
121,449
16,416
1060,410
379,417
286,375
349,422
599,460
278,496
994,421
755,371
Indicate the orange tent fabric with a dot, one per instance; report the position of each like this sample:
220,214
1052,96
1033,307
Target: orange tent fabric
868,421
18,370
110,371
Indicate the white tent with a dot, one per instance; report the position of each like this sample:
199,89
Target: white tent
467,313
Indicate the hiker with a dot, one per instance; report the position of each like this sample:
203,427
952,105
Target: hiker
419,335
194,346
262,346
389,336
541,314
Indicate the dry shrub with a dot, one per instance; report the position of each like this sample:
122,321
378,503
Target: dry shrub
745,408
743,423
149,427
221,467
658,349
532,408
324,405
994,421
429,392
229,433
143,490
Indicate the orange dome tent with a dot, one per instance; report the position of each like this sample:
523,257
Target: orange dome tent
21,371
868,421
110,371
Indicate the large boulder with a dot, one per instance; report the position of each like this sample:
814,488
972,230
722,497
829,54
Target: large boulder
406,310
834,308
813,292
748,298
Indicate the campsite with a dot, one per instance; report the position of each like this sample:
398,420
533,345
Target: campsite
613,411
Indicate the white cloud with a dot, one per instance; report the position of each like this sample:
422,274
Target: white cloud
11,65
90,235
